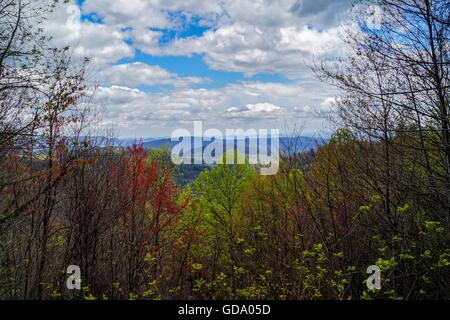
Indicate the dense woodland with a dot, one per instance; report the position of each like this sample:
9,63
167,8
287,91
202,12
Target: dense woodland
378,192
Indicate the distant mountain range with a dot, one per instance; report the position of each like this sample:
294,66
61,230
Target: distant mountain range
287,144
188,173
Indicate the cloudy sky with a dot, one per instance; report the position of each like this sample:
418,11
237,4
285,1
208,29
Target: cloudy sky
161,64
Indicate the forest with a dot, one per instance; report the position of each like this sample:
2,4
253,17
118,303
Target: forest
376,193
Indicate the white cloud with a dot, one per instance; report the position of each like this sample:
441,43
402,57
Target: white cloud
309,41
255,111
252,49
127,13
246,104
101,43
144,14
127,107
138,73
329,105
326,108
249,36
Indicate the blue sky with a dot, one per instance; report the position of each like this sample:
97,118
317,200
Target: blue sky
195,66
160,64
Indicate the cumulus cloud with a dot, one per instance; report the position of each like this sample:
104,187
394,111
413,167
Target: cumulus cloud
249,36
326,108
144,14
246,36
125,107
103,44
246,104
138,73
255,111
251,49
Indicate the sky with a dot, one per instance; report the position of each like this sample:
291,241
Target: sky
162,64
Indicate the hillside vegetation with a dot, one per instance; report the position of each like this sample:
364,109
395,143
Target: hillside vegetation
376,193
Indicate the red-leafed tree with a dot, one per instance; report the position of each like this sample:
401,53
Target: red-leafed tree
148,211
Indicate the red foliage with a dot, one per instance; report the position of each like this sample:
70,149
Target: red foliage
148,185
139,176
